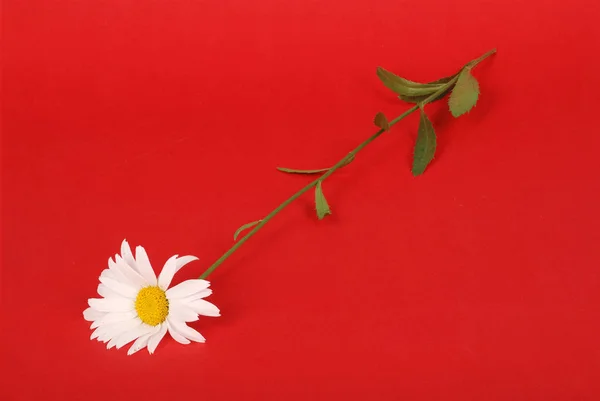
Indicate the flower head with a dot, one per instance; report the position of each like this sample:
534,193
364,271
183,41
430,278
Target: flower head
137,306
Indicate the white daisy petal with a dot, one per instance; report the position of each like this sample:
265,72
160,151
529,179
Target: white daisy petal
198,295
124,273
92,314
120,288
204,308
133,334
176,335
121,328
182,312
156,338
142,341
102,333
127,255
132,275
187,288
96,324
167,273
112,304
106,332
144,266
112,342
108,273
95,334
116,272
186,331
115,317
106,292
112,266
184,260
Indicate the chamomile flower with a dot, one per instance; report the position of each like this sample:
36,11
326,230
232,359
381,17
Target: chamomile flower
137,306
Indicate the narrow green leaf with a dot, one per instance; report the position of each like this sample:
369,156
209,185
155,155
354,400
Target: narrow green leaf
381,121
405,87
465,93
444,80
425,146
320,202
419,99
317,171
244,227
294,171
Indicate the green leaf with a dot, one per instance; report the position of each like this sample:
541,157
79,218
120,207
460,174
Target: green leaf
244,227
444,80
294,171
320,202
425,146
381,121
317,171
465,93
405,87
419,99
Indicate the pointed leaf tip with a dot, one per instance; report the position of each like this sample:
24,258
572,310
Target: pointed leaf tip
425,145
244,227
320,202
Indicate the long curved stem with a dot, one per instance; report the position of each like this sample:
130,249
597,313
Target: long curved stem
330,171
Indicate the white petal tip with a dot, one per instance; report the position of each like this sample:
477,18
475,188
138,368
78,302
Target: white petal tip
137,346
89,314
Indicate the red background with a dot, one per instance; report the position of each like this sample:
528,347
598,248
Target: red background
163,121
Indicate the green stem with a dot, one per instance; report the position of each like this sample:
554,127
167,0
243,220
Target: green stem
335,167
292,198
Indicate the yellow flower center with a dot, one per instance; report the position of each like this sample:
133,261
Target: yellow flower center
152,306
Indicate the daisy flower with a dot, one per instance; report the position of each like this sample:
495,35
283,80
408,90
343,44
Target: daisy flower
137,306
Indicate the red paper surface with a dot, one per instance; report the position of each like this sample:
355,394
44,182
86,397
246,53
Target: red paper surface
163,121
